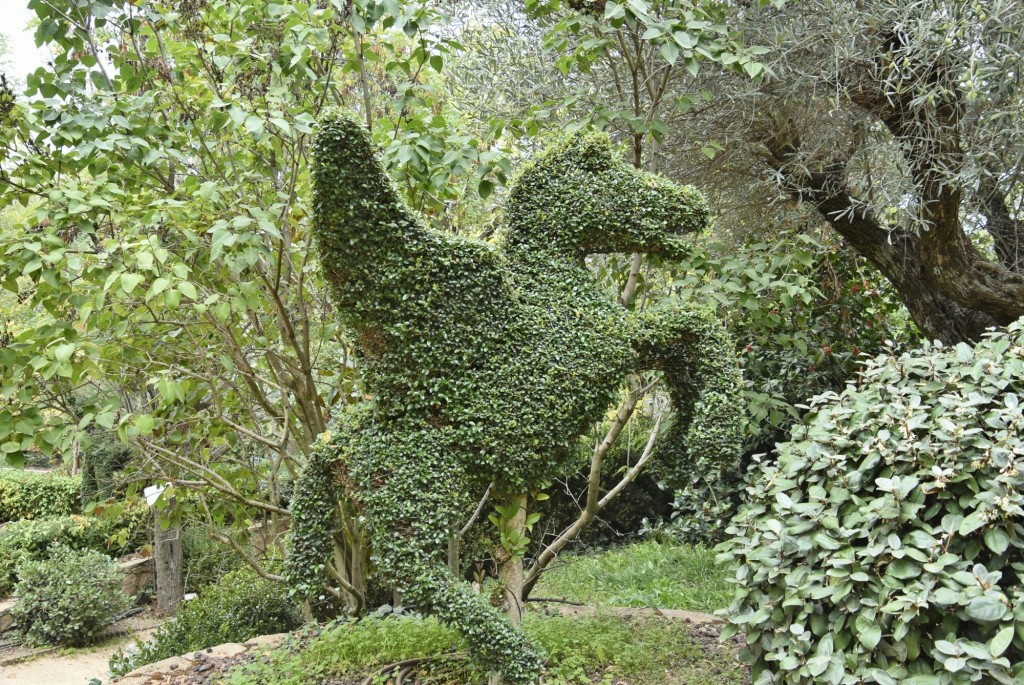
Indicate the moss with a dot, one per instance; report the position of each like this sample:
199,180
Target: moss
485,363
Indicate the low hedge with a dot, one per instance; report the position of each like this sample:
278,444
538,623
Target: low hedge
238,608
33,539
35,495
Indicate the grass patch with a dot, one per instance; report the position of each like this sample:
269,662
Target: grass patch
646,574
597,649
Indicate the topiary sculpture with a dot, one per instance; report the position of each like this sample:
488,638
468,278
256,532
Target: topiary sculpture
486,363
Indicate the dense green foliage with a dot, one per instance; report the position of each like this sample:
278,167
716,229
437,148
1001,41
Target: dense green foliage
34,539
485,365
206,560
804,315
238,608
599,649
29,494
663,575
69,597
887,544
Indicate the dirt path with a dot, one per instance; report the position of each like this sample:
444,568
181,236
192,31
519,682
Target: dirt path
75,667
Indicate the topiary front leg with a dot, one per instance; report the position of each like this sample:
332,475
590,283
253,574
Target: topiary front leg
415,491
319,526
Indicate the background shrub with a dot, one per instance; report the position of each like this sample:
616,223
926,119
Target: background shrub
803,314
206,560
36,458
68,598
102,459
33,539
35,495
238,608
887,544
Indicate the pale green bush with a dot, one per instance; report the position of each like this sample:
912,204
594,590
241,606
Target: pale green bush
887,544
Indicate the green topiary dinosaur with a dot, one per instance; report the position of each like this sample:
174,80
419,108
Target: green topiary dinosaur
486,363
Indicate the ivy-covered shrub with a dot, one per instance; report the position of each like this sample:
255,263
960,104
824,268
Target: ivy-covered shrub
69,597
35,495
240,607
32,540
887,544
485,363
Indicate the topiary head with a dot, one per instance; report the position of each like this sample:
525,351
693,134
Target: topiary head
580,197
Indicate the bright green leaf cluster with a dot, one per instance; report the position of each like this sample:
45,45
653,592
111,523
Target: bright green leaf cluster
887,543
486,363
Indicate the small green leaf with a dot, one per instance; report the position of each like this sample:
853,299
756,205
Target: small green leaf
130,282
1001,642
997,540
62,353
986,609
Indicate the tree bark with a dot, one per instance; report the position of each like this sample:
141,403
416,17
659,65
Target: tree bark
510,572
170,568
510,568
942,293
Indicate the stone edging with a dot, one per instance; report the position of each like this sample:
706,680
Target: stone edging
197,662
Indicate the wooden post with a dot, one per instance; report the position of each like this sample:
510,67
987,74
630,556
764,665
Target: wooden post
169,563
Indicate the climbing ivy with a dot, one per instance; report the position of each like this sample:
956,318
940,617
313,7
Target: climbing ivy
484,363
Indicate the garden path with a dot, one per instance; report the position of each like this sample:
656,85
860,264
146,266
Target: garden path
72,667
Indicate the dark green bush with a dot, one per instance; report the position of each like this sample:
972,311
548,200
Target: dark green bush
32,540
804,315
206,560
241,606
68,598
36,458
887,544
35,495
102,459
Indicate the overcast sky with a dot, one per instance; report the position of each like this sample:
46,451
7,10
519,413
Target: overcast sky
24,57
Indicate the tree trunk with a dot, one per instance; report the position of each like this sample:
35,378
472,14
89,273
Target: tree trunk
350,557
943,301
169,563
510,571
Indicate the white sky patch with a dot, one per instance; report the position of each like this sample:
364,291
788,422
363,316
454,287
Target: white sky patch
24,57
